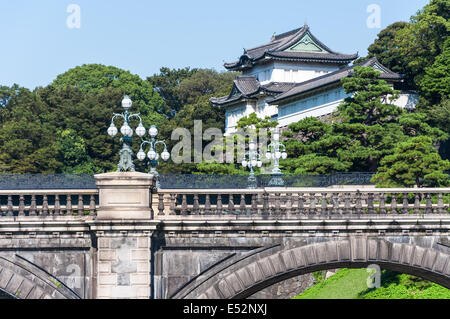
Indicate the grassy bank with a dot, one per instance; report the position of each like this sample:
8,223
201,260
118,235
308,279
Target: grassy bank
351,284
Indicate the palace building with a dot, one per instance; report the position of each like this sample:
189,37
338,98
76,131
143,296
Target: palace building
292,77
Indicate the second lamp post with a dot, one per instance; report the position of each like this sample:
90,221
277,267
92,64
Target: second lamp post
252,159
153,154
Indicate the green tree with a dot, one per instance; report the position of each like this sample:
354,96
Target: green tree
26,136
414,162
73,154
95,78
166,83
386,50
435,85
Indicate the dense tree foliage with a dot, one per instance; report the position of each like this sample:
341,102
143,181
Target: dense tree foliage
413,162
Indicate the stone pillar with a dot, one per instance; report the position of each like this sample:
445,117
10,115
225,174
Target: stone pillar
123,268
124,195
124,227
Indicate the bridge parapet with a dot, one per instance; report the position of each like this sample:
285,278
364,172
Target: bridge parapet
49,203
298,202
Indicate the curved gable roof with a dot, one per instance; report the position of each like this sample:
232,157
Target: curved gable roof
276,49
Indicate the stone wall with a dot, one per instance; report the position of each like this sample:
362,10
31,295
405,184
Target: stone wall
123,267
286,289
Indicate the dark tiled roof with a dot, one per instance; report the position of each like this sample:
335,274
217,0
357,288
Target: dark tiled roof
248,86
314,57
335,77
275,50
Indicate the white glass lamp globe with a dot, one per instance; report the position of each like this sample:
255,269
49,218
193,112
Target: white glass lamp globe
140,155
112,130
165,155
252,146
126,102
153,131
151,154
130,132
277,154
284,155
276,136
268,155
259,163
125,130
254,162
244,163
140,130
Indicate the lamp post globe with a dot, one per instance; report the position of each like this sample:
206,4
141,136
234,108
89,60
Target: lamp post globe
112,130
153,131
140,130
126,102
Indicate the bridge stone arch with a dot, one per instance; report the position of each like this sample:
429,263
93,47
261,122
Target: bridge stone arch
241,277
23,280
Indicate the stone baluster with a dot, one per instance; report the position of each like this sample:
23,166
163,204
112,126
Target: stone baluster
219,205
21,205
277,203
10,207
440,205
370,206
347,204
405,208
173,204
429,205
394,203
161,204
230,204
33,206
358,203
184,204
382,203
92,205
196,206
69,210
57,207
265,204
312,203
44,206
80,207
207,210
254,209
242,206
324,204
301,203
289,206
417,203
336,210
294,204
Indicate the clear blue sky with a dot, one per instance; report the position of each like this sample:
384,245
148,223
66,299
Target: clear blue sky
143,35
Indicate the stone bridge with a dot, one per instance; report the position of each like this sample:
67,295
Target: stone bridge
124,240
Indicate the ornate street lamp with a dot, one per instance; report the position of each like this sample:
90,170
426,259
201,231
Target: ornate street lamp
275,151
252,159
126,154
152,154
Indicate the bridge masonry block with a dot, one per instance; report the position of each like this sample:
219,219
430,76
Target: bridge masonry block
123,267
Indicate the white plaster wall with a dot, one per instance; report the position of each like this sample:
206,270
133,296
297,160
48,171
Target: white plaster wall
289,72
313,112
406,100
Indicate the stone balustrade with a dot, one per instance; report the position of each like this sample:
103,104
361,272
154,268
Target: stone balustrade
46,203
291,202
279,202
